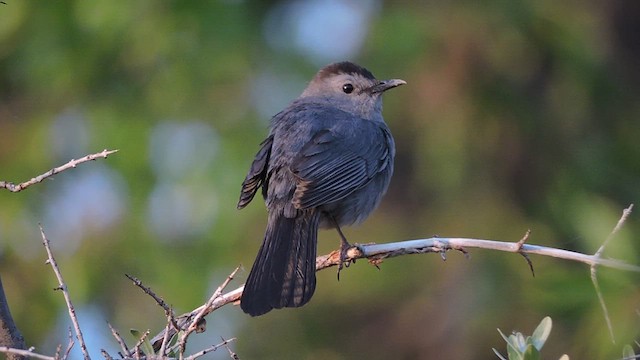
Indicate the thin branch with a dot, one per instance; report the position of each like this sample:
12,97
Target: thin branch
120,340
163,347
69,345
594,279
136,348
63,287
71,164
167,309
105,354
22,352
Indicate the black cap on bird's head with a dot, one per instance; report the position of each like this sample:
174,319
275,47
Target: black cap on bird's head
344,67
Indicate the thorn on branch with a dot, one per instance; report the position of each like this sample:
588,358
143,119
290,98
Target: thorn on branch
519,246
523,240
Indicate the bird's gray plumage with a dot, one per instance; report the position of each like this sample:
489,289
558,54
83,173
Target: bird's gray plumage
327,162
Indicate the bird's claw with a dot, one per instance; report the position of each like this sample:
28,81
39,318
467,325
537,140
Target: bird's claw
344,257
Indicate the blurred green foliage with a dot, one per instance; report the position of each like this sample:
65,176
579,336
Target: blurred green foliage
517,114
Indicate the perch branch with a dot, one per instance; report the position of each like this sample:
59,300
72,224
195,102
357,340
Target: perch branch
71,164
376,253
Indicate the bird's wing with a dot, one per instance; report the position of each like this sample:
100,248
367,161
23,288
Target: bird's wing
339,160
257,174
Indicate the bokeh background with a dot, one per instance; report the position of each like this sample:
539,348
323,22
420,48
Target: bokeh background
517,115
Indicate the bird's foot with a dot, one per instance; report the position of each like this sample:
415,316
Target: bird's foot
344,257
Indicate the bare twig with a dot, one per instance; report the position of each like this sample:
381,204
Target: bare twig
167,309
63,287
198,324
136,348
209,349
105,354
232,354
71,164
26,353
69,345
594,279
170,322
120,340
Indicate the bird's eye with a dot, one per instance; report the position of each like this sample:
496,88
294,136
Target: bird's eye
347,88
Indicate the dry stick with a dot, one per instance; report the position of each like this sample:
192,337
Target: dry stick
62,286
625,214
71,164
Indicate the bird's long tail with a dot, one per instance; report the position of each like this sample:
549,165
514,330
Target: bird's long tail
284,273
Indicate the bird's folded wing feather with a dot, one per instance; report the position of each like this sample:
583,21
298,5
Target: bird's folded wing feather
339,160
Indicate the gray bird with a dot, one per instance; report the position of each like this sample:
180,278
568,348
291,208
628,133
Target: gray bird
327,163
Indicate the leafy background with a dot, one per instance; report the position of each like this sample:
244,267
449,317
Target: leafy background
517,114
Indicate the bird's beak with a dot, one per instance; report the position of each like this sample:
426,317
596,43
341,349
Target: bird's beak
384,85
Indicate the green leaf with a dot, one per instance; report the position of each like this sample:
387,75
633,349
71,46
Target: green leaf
513,352
147,348
627,352
541,333
531,353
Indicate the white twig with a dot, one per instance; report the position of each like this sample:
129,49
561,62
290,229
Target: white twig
26,353
594,279
63,287
71,164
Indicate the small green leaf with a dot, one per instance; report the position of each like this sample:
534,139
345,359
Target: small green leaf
147,348
628,353
531,353
541,333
